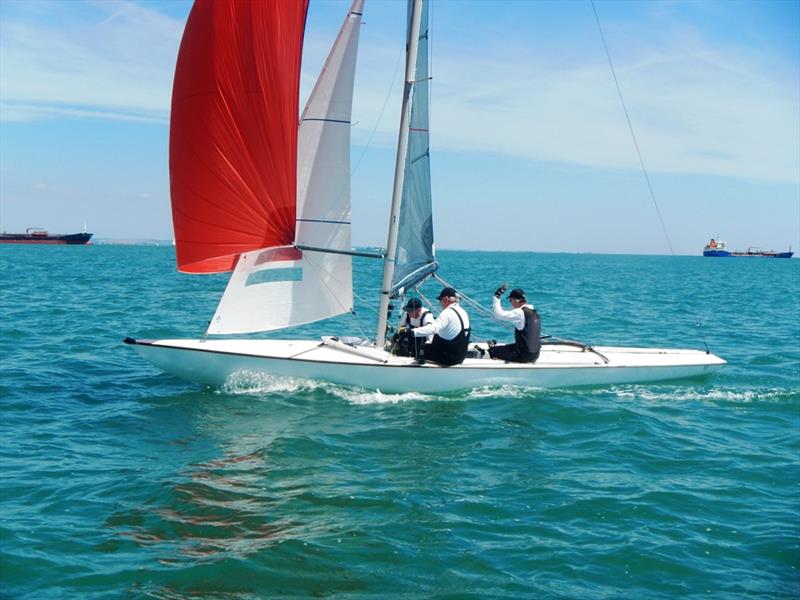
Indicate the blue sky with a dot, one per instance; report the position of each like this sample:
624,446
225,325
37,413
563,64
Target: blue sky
530,147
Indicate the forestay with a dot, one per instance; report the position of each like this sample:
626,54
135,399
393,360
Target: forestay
415,248
273,288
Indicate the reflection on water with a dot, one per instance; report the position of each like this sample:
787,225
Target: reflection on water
221,510
226,506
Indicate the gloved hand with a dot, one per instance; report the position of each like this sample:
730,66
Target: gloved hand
499,291
402,330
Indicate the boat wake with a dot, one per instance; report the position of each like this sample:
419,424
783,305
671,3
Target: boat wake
505,391
253,383
691,394
250,382
364,397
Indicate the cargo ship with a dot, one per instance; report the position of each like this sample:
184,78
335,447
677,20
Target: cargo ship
719,249
37,235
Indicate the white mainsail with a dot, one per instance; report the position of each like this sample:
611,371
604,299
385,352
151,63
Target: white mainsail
273,288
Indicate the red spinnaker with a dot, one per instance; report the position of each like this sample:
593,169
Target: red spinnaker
233,130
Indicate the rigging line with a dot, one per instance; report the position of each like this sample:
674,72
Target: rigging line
641,159
482,309
380,116
415,289
319,268
630,129
352,312
366,303
428,303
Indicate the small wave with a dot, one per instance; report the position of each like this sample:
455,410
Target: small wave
692,394
504,391
249,382
362,396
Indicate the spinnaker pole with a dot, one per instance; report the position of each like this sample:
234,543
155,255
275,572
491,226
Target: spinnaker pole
399,171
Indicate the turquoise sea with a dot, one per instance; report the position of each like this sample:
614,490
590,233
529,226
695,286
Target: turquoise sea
122,482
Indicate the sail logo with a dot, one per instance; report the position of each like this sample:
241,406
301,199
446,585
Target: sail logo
272,272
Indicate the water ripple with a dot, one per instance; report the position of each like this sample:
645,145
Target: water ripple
120,481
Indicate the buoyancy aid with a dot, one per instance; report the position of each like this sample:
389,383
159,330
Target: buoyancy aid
452,352
528,340
421,319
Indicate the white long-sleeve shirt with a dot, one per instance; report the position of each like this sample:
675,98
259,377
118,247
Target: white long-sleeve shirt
515,315
446,325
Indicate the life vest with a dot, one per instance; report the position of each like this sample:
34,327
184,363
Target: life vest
422,316
406,344
452,352
528,341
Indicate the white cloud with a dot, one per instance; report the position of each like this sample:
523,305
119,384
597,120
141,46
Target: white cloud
689,115
11,111
99,60
696,107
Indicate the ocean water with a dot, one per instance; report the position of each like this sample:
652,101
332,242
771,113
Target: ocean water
122,482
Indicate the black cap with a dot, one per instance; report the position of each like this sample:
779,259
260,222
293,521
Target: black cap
517,294
447,292
413,304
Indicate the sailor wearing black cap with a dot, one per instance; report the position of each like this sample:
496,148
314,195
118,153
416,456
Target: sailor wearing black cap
416,316
450,331
527,328
403,342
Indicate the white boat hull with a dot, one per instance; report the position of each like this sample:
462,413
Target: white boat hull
213,362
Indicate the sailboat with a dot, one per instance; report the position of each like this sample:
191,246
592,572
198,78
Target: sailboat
263,191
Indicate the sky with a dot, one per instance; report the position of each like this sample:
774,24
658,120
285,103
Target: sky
530,146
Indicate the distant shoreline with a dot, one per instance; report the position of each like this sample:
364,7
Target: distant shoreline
131,242
169,243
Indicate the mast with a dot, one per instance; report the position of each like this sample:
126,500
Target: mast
399,172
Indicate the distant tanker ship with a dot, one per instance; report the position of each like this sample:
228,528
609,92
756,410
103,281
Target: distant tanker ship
719,249
37,235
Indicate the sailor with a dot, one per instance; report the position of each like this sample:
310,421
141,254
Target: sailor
403,342
527,328
416,316
450,331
